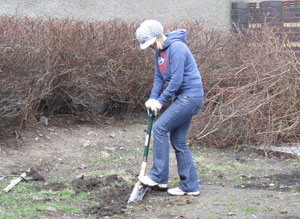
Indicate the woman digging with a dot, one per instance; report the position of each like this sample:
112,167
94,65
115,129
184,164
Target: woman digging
175,66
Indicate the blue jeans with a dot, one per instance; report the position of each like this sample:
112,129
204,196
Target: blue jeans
176,119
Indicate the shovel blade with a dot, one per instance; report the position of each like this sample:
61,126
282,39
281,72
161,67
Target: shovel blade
138,192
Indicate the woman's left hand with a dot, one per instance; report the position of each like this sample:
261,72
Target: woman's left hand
155,107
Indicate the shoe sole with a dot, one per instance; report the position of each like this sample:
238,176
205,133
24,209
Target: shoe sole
185,193
155,187
197,194
151,186
158,188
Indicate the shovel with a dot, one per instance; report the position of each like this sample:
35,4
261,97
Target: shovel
139,189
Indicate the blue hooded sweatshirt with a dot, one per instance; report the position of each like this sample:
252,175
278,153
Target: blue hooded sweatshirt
176,66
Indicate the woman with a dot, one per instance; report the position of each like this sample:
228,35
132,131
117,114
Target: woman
175,66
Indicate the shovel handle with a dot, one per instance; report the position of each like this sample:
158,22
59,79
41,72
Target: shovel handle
147,142
148,136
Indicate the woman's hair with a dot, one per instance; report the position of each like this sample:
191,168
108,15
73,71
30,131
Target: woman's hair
160,42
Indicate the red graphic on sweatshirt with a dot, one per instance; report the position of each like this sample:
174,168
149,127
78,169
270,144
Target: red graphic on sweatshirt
162,62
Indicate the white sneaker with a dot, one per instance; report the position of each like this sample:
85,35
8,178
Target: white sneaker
145,180
178,191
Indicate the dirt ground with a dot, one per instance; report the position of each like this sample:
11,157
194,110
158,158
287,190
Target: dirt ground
103,161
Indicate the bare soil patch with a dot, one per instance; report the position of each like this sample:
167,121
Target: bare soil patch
103,161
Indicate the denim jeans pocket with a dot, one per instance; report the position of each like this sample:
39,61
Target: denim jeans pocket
183,99
191,104
196,102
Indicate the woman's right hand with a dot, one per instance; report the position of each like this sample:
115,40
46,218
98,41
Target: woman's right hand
149,103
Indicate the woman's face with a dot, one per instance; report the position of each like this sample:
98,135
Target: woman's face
153,46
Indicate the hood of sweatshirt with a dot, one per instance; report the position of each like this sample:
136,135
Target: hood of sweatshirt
177,35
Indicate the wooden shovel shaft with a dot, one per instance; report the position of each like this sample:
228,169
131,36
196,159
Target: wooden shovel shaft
14,182
143,169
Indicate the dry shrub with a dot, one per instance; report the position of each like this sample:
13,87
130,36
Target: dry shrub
71,67
96,70
78,68
254,95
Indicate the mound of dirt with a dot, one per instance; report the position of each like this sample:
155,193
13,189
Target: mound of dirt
111,192
89,184
112,201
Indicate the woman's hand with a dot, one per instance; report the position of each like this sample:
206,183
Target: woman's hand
149,103
155,106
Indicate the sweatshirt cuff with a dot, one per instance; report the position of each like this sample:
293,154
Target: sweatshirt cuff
161,101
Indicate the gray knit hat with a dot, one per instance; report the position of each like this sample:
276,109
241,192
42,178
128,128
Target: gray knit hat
148,32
